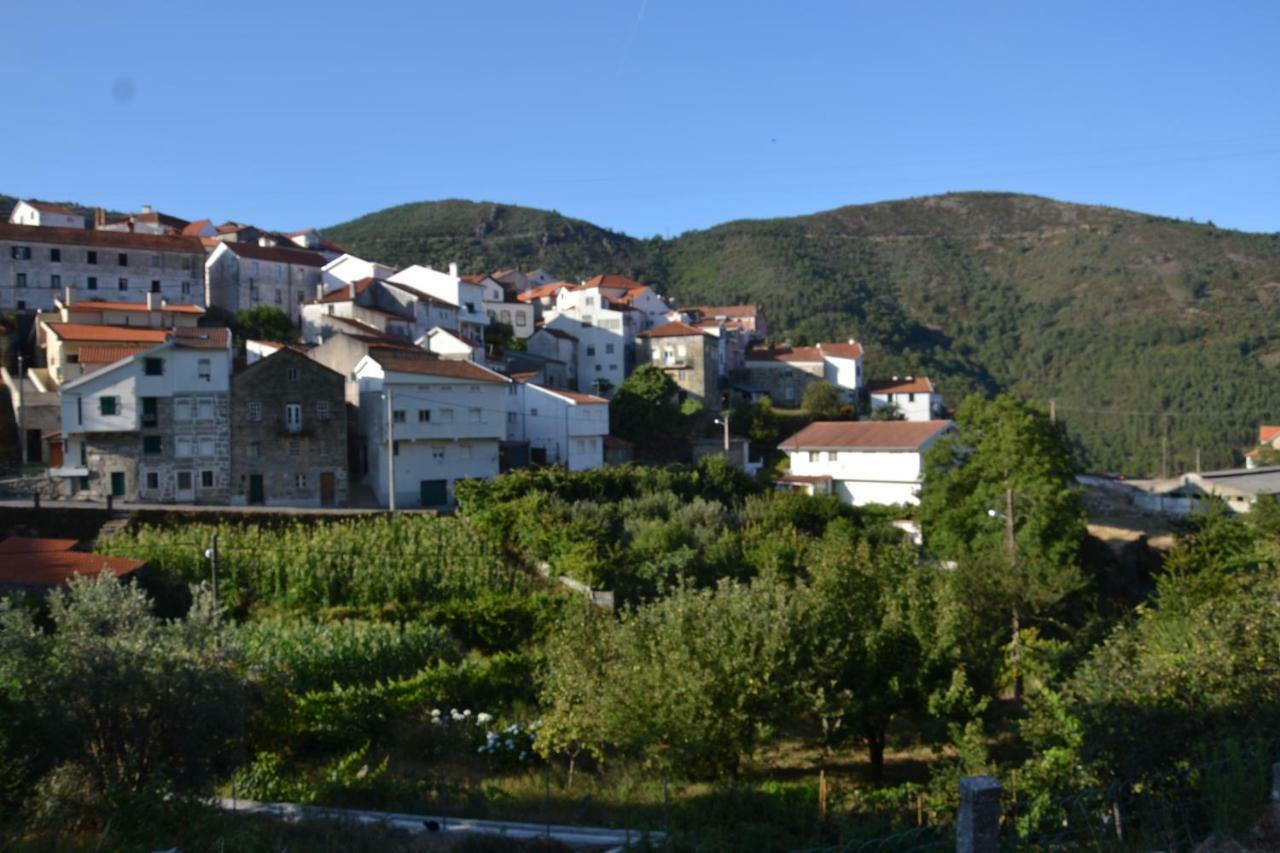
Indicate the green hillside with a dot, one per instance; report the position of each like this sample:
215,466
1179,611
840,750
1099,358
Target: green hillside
1136,325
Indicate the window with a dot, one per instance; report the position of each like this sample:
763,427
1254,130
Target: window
255,411
122,284
295,448
122,260
106,406
437,453
533,413
153,366
395,448
153,480
473,415
150,411
591,350
322,410
206,479
80,412
182,409
813,455
151,444
293,416
521,319
21,279
155,285
608,348
91,257
446,416
831,456
279,272
205,447
183,447
184,481
911,398
186,288
186,262
292,374
92,282
204,409
397,416
55,256
255,449
424,416
55,281
300,481
204,369
324,448
20,253
279,297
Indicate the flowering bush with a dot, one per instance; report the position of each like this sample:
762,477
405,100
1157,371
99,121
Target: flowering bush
510,745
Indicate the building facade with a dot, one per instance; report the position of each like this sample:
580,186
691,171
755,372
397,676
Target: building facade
690,356
42,214
241,275
913,397
289,433
782,373
561,427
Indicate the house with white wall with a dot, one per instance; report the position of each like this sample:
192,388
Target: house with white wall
447,420
154,425
561,427
502,305
783,372
368,305
450,288
45,215
914,397
862,462
347,268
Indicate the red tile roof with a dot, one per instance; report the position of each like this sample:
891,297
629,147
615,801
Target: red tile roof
201,338
400,361
545,290
103,305
193,229
343,294
89,333
45,207
845,350
812,354
45,562
278,254
108,353
620,281
573,396
674,329
1267,434
724,310
909,385
100,239
865,435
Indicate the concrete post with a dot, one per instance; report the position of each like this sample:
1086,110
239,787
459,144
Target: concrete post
978,822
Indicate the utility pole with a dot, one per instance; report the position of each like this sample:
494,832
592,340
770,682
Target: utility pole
391,455
22,410
1053,411
725,420
1164,451
1197,460
213,568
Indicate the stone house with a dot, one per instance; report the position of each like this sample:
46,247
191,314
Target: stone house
783,372
690,356
242,275
289,428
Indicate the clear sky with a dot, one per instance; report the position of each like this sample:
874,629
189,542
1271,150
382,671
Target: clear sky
646,116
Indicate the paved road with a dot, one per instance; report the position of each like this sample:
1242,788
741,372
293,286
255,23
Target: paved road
574,836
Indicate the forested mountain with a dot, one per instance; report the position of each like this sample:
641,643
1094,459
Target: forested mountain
1137,326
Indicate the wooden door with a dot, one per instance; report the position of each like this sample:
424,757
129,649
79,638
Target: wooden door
256,491
326,488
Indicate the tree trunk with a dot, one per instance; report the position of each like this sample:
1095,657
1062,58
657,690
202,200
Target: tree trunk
1016,655
875,751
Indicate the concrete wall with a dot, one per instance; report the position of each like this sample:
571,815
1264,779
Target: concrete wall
864,476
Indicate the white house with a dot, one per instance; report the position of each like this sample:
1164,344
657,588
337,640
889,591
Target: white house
502,305
446,344
783,372
446,423
370,306
448,287
862,462
47,215
345,269
153,425
562,427
914,397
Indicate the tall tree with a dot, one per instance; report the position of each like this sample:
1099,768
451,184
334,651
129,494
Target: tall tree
1000,499
265,323
645,409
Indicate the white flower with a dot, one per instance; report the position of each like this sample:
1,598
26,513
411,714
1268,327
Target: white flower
435,712
483,719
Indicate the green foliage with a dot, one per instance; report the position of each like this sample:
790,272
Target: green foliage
645,409
265,323
822,401
403,559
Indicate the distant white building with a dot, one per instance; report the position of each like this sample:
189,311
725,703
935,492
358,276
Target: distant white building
862,462
502,305
447,421
446,344
562,427
348,268
914,397
45,215
448,287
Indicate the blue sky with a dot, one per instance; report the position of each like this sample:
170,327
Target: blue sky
646,116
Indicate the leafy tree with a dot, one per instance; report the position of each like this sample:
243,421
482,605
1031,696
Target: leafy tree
1000,499
265,323
136,706
644,409
821,400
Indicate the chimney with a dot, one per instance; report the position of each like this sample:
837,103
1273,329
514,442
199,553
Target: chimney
146,208
319,290
68,296
99,217
453,270
151,301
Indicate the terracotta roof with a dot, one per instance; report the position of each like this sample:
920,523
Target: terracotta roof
193,229
53,566
806,354
278,254
613,281
343,294
674,329
232,227
103,305
108,353
399,361
87,332
525,375
45,207
1267,434
201,338
851,349
865,435
545,290
100,239
27,545
724,310
910,385
472,279
572,396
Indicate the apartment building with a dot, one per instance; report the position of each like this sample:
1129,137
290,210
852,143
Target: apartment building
38,262
560,427
241,275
